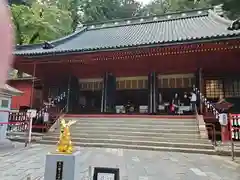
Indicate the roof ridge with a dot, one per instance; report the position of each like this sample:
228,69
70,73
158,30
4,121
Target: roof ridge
148,22
218,18
68,37
148,17
53,42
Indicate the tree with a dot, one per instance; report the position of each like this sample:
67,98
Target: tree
232,7
102,10
72,6
39,22
158,7
128,9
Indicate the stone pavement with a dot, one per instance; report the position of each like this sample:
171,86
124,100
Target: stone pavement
133,164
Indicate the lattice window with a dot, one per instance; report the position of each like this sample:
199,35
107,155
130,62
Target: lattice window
214,88
90,86
4,103
131,84
232,88
177,82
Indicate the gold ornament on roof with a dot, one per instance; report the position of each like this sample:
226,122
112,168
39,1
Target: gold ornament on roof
65,144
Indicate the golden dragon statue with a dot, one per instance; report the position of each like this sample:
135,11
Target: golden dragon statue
65,144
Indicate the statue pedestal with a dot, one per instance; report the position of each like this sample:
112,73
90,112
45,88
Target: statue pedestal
61,166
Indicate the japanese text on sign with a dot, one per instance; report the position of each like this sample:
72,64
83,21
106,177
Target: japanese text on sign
105,176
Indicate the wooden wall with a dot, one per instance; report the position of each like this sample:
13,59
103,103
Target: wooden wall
25,99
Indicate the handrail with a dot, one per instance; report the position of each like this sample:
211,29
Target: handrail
213,110
205,102
197,120
45,107
56,122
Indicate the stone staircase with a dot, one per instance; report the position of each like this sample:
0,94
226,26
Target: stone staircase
180,135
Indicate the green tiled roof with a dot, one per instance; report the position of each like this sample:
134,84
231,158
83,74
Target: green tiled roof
163,30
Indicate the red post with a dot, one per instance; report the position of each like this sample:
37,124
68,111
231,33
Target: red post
225,134
224,120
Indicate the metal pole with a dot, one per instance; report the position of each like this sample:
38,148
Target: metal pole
232,149
232,142
33,84
30,130
68,94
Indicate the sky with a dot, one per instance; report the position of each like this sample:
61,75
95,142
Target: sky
144,1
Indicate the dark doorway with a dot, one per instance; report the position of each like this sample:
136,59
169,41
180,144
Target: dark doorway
90,102
168,93
136,97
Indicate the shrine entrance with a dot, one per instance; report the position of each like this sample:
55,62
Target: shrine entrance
90,102
131,92
172,84
135,98
90,96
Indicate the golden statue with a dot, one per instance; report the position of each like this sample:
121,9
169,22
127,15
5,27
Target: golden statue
65,144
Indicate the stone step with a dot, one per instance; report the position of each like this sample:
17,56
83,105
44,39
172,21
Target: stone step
23,134
131,133
23,138
137,142
133,138
133,121
113,130
140,147
148,126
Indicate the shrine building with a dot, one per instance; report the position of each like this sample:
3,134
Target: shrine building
144,60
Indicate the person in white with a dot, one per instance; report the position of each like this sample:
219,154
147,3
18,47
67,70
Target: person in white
193,100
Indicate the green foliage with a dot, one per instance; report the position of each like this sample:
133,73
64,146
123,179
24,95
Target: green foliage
158,7
101,10
39,22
